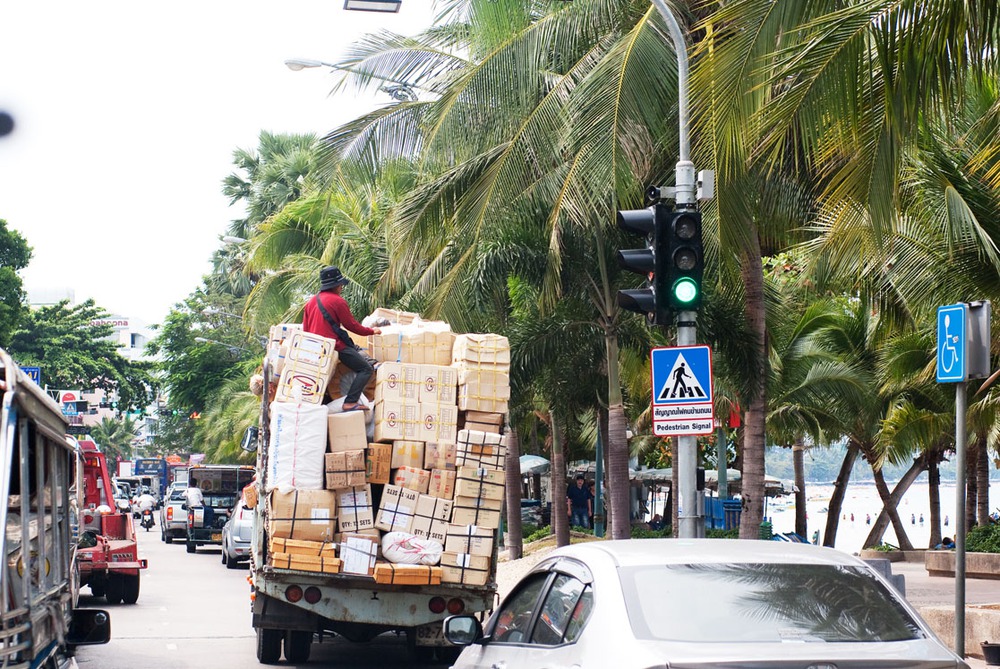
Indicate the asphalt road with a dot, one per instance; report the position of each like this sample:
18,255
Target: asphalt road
193,612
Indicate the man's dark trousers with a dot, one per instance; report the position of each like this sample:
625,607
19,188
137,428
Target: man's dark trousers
362,369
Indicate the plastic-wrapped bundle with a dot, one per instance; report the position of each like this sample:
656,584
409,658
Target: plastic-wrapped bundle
406,548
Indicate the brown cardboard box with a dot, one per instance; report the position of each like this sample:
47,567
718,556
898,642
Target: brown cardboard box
479,482
481,449
355,509
327,549
438,423
438,385
397,421
345,469
442,484
482,427
317,563
394,316
407,454
378,459
395,513
346,432
431,518
483,390
312,351
481,349
412,478
358,552
309,515
494,419
469,539
439,456
398,382
301,384
429,342
474,511
464,568
407,574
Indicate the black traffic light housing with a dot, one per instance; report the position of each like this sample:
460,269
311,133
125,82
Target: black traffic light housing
649,262
686,263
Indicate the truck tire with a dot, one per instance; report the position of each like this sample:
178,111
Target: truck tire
98,587
268,645
191,546
130,592
297,646
115,589
232,563
170,538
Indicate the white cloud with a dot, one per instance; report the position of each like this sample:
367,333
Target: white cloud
127,115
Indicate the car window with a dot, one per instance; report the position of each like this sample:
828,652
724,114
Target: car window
581,614
514,617
763,602
557,610
177,496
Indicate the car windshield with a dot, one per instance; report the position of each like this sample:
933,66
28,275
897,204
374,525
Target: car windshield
762,603
177,495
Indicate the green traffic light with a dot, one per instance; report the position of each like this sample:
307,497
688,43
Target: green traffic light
685,290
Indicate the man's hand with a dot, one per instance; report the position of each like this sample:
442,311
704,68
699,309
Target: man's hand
377,331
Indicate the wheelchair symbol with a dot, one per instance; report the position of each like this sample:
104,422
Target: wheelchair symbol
949,353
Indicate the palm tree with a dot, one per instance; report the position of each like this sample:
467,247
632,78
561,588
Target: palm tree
115,437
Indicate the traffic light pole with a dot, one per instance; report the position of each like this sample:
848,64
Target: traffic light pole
685,197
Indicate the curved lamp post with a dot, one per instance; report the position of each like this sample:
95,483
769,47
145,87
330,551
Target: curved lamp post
387,6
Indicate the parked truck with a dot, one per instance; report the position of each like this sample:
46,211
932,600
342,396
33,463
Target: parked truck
156,470
40,488
291,606
221,486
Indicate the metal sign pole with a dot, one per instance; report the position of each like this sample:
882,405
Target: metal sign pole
961,401
687,447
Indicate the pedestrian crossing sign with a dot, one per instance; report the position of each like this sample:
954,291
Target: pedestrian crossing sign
682,390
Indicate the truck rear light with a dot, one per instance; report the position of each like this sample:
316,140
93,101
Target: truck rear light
436,605
455,606
313,594
170,513
293,593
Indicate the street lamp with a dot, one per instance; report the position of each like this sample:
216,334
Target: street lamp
229,239
388,6
297,64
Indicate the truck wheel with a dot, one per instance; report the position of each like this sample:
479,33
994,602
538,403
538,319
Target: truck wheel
297,646
225,561
268,645
170,538
191,547
131,589
448,655
98,587
420,654
115,589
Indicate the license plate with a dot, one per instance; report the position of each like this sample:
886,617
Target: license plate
431,635
217,536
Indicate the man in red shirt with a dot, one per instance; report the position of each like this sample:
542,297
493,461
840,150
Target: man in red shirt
327,314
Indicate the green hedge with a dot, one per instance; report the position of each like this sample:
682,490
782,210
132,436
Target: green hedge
983,539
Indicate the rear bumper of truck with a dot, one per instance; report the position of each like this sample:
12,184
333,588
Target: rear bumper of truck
204,537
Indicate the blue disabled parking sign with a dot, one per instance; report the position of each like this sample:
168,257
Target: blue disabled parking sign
951,338
682,391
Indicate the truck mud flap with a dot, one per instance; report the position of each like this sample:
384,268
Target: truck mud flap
269,612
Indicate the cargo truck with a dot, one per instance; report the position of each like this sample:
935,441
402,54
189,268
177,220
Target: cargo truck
221,486
290,606
40,488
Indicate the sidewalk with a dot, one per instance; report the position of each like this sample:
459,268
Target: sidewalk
924,591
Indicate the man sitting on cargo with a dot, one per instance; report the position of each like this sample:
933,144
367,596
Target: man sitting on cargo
327,314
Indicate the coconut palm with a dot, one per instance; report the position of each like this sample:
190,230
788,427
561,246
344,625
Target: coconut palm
115,437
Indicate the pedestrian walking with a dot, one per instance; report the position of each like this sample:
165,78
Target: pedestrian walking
913,519
579,503
868,519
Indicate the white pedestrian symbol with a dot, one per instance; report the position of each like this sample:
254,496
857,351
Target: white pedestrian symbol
681,383
948,347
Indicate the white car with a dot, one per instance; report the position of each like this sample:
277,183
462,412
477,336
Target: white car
700,604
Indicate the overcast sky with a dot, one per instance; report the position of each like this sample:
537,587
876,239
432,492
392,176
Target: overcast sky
127,115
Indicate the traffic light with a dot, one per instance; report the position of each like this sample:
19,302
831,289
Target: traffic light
649,262
686,263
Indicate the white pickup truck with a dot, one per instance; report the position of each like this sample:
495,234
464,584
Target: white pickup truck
173,518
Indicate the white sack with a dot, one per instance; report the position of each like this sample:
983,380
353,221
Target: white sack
298,443
406,548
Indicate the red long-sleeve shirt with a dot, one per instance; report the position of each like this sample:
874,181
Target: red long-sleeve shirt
336,306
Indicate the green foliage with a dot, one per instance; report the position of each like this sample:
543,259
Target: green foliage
983,539
639,532
527,529
540,533
723,534
884,548
115,437
14,255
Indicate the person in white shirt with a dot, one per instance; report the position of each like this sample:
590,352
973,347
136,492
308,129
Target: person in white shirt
146,501
194,495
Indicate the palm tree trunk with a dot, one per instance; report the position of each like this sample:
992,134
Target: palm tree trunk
971,489
557,486
618,452
934,499
983,482
752,271
890,508
799,465
874,537
839,492
513,482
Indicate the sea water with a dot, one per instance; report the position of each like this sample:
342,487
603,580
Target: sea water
862,500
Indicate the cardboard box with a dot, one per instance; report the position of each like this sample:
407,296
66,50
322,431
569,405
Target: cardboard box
346,432
483,390
494,419
395,513
482,427
437,385
398,382
377,463
301,384
479,482
469,539
345,469
476,511
327,549
431,518
312,351
481,449
412,478
465,569
358,553
309,515
426,342
397,421
407,574
282,331
394,316
407,454
438,423
439,456
442,483
355,509
481,349
316,563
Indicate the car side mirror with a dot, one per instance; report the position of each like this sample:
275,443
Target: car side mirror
250,437
89,627
462,630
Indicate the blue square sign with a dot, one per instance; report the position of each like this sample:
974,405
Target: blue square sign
951,338
682,391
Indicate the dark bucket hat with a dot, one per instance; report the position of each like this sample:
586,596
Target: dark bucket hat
330,278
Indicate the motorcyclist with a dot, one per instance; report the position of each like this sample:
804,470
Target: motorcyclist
146,502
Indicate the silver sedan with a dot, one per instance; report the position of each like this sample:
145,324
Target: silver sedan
699,604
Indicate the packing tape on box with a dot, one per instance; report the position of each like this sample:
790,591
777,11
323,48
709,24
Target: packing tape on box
464,562
410,570
439,505
311,520
388,515
478,508
479,479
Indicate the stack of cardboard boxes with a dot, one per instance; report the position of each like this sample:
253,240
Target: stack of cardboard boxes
421,474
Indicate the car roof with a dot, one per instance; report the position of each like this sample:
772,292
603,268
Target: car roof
639,552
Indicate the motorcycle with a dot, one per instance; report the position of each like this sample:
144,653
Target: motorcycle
147,518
